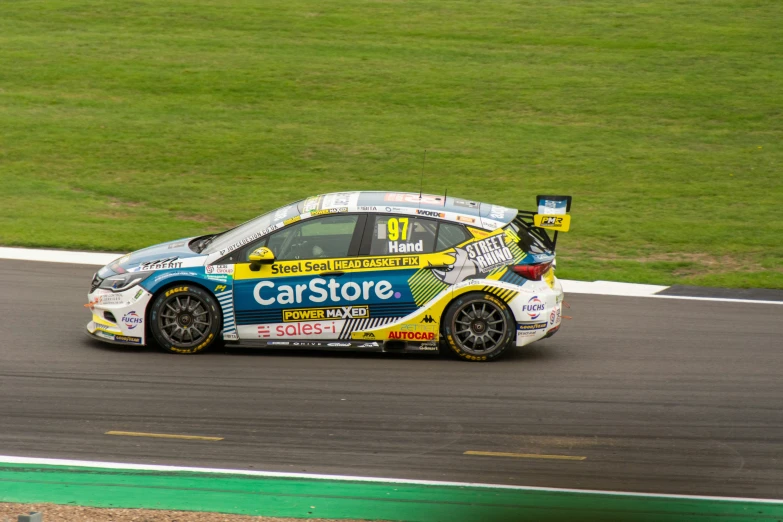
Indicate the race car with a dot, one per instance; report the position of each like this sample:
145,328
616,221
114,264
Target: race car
372,271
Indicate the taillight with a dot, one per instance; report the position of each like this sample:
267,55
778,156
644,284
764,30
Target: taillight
533,272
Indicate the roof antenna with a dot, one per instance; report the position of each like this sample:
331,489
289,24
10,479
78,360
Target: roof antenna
445,194
421,182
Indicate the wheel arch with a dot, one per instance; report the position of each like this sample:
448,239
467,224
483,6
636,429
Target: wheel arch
503,294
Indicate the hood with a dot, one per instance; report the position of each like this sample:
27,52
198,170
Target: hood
157,257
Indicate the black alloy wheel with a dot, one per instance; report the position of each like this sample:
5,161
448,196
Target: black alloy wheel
478,326
185,319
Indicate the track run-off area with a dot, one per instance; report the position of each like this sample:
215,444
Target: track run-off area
635,394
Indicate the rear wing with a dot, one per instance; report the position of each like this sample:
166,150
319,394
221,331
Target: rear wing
552,216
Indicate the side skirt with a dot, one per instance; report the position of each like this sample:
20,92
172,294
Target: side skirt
343,345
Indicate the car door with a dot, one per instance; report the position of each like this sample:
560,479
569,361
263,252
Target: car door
395,255
406,255
298,299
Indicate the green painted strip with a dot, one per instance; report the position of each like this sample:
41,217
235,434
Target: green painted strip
249,495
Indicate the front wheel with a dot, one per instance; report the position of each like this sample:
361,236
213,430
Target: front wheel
478,326
185,319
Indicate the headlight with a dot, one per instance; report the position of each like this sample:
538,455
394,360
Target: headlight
121,282
96,282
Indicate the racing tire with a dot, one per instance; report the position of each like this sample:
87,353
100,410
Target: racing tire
185,319
478,327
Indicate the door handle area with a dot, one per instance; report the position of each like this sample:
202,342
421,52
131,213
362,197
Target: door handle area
333,273
447,268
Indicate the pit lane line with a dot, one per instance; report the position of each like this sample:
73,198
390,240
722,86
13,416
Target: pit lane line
522,455
611,288
161,435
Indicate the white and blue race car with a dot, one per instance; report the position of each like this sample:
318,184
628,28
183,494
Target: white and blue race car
373,271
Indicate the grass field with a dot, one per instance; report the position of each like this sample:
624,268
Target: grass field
129,123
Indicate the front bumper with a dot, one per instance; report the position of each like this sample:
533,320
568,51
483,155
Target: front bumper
119,317
111,338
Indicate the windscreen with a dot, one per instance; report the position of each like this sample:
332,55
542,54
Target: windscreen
253,229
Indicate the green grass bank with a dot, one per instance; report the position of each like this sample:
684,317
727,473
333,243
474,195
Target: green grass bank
128,123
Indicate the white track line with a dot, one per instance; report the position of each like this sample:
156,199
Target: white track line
719,299
314,476
610,288
614,288
57,256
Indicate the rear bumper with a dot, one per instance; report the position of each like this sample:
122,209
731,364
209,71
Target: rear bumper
538,311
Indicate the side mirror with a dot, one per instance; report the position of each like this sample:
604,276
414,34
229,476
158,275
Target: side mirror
261,256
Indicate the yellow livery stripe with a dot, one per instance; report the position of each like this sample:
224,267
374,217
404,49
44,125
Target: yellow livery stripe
501,293
350,264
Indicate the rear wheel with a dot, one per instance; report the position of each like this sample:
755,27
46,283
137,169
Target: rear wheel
185,319
478,326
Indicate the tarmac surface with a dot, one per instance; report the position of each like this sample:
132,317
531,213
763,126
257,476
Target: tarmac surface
658,395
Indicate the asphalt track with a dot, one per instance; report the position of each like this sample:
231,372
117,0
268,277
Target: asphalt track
660,395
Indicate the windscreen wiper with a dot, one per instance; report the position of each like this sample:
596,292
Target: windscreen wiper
204,243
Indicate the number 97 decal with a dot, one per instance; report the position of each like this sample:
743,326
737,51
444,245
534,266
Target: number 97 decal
397,229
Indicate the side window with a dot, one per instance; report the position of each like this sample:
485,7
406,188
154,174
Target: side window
450,235
329,236
402,235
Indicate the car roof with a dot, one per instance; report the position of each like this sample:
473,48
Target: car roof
465,211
